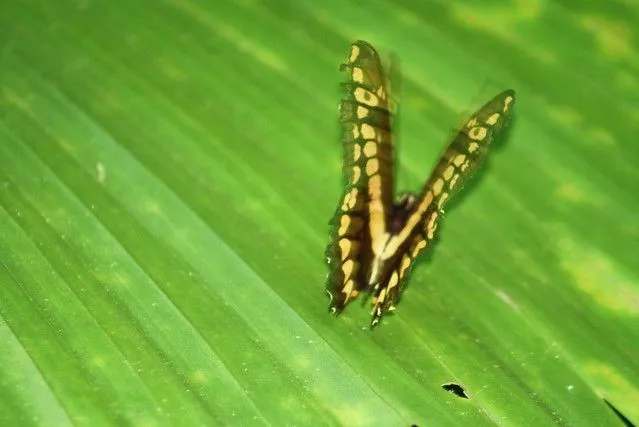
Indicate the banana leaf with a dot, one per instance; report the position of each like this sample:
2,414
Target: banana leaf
168,169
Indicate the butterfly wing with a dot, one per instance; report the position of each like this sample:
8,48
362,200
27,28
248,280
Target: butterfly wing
468,149
458,162
360,221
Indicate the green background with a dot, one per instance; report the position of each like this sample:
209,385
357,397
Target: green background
168,168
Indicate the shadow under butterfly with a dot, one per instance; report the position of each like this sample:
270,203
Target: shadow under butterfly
375,238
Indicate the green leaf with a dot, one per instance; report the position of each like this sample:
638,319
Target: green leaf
167,171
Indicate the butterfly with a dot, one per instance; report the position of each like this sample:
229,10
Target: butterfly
375,238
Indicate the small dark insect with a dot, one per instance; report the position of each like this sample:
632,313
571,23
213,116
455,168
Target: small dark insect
456,389
375,240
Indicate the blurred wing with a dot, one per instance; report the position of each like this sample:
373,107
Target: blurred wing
468,149
458,162
361,218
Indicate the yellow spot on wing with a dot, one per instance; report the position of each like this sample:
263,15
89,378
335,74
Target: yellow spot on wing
366,97
432,225
418,247
348,288
405,264
350,201
459,159
358,75
357,151
370,149
372,166
345,222
448,173
438,186
492,120
431,232
442,200
394,279
368,131
349,225
345,246
354,53
507,102
361,112
433,218
478,133
472,147
356,174
349,268
453,182
472,122
355,130
380,298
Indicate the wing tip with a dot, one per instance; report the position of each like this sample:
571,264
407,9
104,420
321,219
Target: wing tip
362,43
508,92
362,49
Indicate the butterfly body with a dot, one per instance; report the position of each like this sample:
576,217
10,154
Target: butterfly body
375,240
399,212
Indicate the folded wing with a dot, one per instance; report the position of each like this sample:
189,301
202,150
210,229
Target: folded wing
360,222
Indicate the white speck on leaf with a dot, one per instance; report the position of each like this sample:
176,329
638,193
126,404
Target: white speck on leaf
101,170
